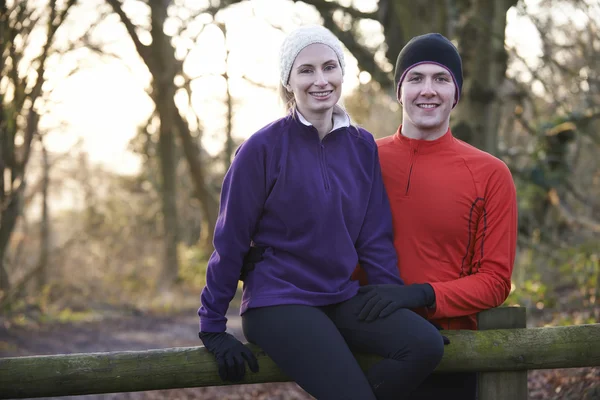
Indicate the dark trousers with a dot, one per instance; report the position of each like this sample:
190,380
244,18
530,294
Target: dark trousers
313,346
450,386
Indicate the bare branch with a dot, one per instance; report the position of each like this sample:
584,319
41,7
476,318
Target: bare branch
187,86
34,94
331,6
364,56
185,24
259,84
577,221
141,48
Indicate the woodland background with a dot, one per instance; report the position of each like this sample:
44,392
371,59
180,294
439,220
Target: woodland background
97,238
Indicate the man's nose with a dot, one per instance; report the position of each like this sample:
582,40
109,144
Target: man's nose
428,87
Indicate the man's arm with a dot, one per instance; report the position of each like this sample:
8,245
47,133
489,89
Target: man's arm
489,283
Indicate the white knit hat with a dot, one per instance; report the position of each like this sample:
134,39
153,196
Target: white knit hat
299,39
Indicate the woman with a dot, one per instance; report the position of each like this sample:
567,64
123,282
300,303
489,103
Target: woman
308,190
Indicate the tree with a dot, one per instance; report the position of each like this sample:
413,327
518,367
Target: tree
21,88
166,68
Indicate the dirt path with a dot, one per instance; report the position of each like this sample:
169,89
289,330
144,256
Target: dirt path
141,332
136,333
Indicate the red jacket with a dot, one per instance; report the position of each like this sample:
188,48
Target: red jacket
454,212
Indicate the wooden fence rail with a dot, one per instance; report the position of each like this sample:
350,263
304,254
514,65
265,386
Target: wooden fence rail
489,350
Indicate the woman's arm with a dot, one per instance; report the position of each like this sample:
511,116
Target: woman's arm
242,199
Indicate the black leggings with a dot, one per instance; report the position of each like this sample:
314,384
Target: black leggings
312,346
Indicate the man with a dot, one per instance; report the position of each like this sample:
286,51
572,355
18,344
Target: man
454,209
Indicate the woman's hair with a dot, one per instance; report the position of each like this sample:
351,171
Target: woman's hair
287,97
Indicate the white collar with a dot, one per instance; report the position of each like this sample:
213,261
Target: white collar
340,118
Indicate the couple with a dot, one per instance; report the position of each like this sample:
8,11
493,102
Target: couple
430,220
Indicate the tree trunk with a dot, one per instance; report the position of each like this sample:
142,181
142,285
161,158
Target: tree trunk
8,220
208,203
4,282
403,20
228,151
478,26
166,145
163,93
229,144
481,42
160,60
42,273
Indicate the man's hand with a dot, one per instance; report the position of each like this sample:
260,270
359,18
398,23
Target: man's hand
382,300
231,355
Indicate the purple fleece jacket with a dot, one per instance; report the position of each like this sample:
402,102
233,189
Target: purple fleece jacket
318,207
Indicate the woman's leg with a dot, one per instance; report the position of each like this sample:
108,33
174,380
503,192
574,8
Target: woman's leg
411,346
307,347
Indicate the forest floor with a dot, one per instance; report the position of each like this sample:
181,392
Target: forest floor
119,331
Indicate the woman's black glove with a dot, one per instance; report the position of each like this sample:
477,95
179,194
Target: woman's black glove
382,300
231,355
439,328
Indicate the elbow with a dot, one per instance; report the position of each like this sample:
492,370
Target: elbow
501,291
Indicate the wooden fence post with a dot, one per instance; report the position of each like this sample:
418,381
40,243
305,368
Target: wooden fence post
503,385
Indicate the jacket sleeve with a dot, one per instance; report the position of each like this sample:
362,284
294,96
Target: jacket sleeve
375,242
243,196
493,255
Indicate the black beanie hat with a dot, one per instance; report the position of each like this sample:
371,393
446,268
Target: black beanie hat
429,48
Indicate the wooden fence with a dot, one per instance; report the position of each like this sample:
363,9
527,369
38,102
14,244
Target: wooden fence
502,350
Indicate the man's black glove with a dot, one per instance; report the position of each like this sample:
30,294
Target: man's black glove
230,353
382,300
439,328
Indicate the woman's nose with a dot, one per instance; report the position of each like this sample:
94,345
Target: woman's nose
321,79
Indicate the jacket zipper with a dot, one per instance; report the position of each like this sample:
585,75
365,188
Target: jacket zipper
323,162
413,155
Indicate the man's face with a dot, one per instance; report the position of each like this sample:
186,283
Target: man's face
427,97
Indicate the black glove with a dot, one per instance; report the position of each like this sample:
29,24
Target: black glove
254,255
230,354
382,300
439,328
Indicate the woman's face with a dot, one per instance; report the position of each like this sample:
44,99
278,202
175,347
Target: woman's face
316,80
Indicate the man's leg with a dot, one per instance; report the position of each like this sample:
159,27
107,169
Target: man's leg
307,346
450,386
411,346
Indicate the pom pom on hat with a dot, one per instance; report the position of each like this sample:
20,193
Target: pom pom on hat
430,48
299,39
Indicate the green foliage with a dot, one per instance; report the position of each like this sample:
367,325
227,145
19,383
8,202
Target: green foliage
565,281
192,265
582,270
533,292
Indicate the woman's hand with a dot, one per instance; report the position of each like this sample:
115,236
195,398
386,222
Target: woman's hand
231,355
